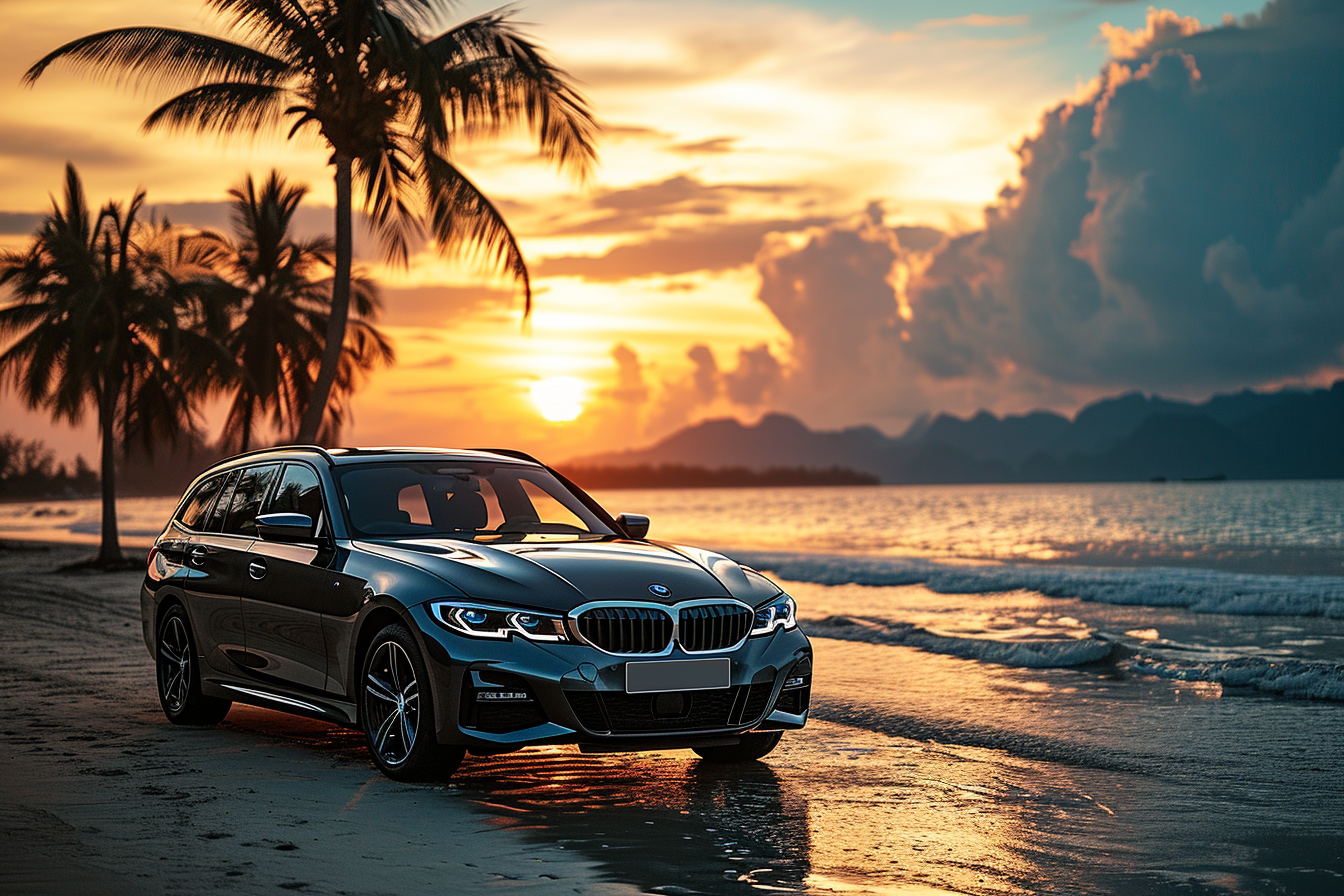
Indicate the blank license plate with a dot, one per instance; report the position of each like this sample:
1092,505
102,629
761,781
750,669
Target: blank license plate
677,675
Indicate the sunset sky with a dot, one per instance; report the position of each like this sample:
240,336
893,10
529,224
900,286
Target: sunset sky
790,213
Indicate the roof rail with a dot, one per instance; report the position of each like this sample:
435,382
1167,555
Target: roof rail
318,448
510,452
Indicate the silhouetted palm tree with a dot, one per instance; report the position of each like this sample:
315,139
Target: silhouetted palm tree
283,293
115,313
389,99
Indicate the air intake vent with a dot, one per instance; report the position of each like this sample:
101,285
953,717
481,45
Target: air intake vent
626,629
713,626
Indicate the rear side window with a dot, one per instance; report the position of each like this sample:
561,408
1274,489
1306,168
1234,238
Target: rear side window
299,492
196,509
247,498
222,505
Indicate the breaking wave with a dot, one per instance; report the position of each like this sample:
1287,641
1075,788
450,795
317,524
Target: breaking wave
1316,680
1289,678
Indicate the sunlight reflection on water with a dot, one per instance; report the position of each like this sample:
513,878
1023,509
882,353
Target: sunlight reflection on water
1117,523
1272,526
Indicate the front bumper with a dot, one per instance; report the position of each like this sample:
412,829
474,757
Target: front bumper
495,696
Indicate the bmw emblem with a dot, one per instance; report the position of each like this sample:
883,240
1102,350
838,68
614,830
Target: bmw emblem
660,590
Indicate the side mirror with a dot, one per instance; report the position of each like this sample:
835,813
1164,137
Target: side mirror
285,527
636,525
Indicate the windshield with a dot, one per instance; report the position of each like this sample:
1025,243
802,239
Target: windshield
465,499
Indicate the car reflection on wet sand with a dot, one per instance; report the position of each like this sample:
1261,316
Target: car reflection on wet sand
666,823
836,810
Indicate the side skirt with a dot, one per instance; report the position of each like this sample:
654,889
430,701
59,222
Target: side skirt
326,709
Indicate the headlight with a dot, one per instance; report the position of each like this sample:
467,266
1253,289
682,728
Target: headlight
781,612
484,621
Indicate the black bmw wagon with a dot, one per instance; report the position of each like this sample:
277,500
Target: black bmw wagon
448,601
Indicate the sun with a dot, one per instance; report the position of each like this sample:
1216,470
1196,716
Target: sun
559,398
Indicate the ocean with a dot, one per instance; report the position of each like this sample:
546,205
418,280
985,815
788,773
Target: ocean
1110,688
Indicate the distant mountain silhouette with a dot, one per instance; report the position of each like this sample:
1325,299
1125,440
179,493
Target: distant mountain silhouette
1289,434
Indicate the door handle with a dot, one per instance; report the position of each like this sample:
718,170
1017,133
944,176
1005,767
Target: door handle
257,568
198,554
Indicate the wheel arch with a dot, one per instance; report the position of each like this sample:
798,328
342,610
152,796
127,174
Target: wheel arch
377,619
166,603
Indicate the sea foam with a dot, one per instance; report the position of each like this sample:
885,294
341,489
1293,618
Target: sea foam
1291,678
1199,590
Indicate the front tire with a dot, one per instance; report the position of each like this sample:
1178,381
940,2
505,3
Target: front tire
179,675
752,746
397,713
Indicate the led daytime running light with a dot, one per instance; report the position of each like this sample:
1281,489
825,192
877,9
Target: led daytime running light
779,613
484,621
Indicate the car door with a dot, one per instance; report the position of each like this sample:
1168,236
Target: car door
212,587
287,586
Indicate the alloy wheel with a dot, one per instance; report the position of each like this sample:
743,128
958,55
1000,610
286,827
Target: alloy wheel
393,704
174,664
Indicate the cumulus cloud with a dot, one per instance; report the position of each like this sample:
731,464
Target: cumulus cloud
1140,207
1180,228
1162,26
705,377
748,385
630,385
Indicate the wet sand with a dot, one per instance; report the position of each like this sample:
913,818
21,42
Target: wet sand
919,774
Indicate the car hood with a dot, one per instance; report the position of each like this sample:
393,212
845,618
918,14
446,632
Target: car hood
559,577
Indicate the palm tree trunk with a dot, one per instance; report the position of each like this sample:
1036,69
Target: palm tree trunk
109,548
340,310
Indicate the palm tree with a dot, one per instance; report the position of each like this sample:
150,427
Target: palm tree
389,99
283,293
113,312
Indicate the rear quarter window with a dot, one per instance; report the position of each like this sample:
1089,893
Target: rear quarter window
195,511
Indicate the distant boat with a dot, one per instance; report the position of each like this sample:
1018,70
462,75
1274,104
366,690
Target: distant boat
1216,477
1158,479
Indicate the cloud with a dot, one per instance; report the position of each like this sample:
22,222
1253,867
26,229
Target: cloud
439,363
20,223
757,374
630,385
23,143
436,306
706,374
1162,27
1181,228
834,296
977,20
693,53
640,208
712,146
679,251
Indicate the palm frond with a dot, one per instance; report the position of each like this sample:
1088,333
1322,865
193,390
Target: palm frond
462,219
388,182
493,76
151,55
221,107
283,27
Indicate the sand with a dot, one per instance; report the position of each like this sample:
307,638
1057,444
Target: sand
99,794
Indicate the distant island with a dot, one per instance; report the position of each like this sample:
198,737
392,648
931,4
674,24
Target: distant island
1282,434
683,476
